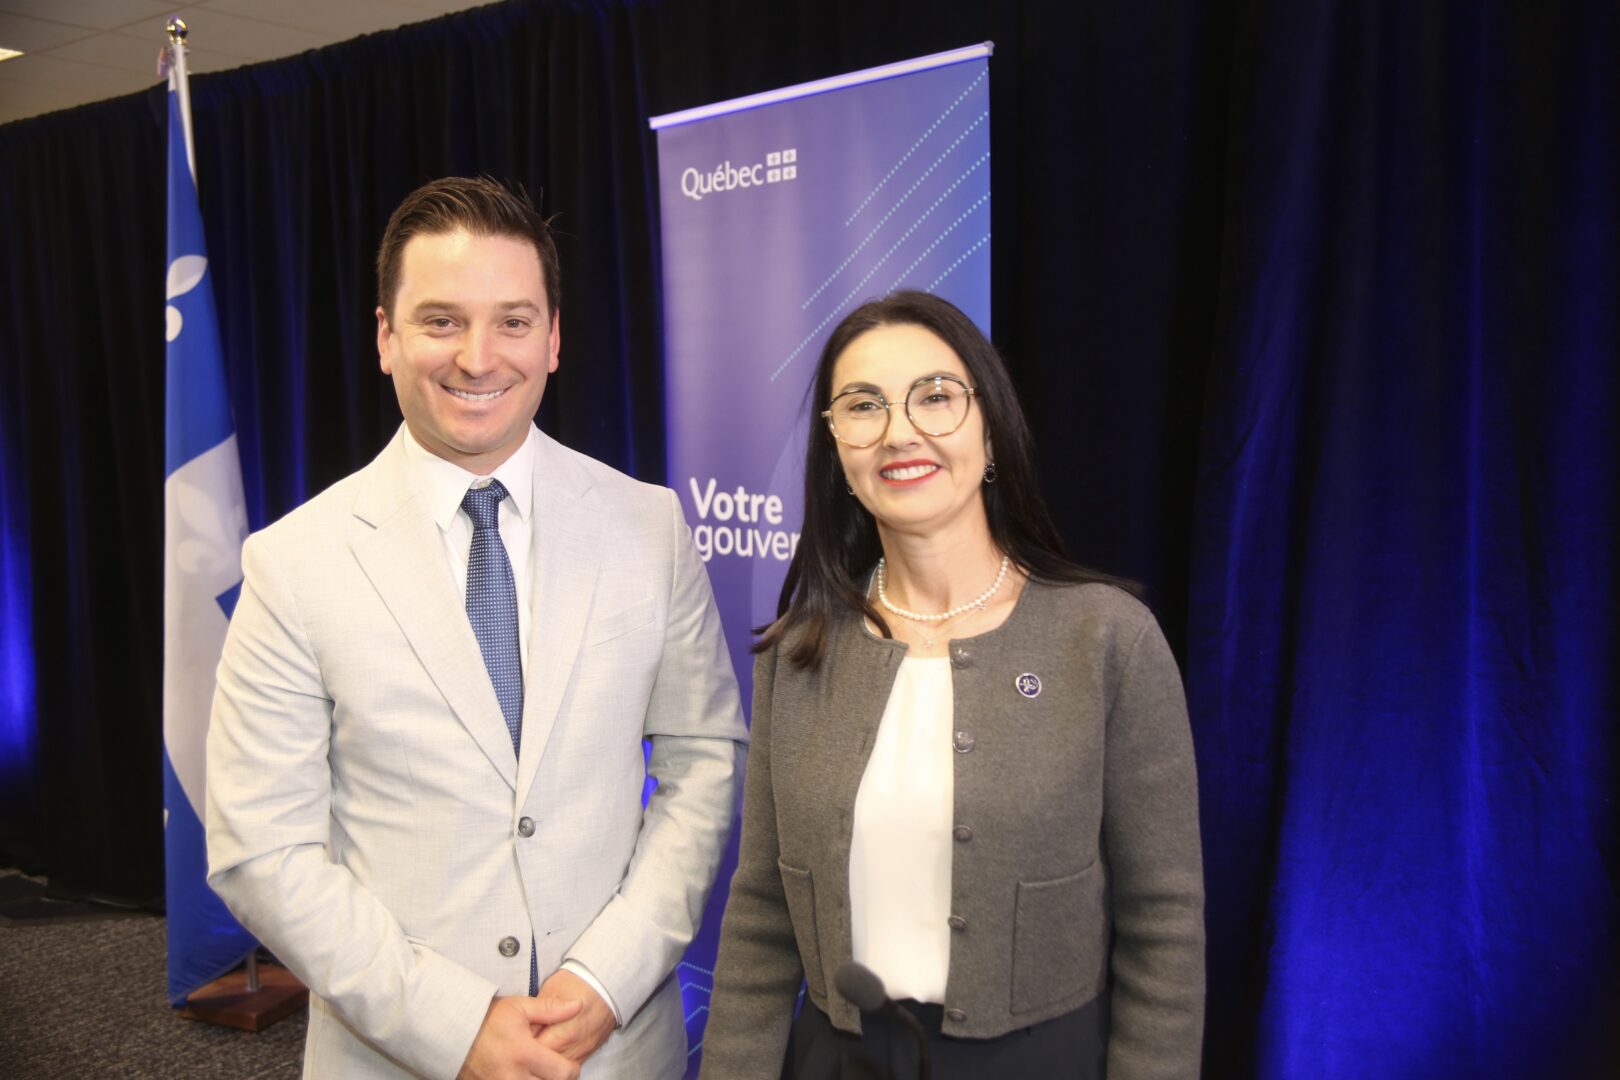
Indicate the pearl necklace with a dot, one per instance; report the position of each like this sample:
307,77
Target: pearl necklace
977,602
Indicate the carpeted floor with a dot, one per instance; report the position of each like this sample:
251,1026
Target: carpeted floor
82,994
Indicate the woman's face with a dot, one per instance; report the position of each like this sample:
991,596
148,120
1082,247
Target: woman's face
911,481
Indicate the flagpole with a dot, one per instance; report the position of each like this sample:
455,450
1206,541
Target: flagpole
247,995
181,82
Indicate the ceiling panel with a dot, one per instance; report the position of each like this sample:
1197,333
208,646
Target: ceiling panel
338,21
30,35
134,51
78,51
19,100
55,73
94,14
439,7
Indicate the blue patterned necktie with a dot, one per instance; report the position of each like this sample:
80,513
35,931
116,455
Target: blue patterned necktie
492,609
492,603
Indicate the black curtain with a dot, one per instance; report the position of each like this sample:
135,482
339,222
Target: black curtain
1313,309
82,200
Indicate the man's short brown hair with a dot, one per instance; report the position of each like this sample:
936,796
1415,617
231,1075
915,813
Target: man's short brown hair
478,205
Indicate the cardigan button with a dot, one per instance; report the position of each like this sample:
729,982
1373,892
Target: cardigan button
961,657
509,946
955,1016
956,922
963,742
963,833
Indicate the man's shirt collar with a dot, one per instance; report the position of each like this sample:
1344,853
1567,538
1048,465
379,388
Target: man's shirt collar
443,483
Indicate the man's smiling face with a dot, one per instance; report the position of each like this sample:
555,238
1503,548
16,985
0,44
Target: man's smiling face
469,344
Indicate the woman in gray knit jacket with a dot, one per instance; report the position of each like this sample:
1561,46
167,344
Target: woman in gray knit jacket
971,774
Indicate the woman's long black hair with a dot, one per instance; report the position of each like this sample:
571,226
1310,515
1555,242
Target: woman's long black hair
838,543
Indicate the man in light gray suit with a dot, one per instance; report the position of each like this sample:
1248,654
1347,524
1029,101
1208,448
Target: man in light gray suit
425,762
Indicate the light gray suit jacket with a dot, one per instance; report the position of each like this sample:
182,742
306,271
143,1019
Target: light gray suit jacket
367,818
1075,870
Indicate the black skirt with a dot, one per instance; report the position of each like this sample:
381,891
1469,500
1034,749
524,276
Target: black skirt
1073,1046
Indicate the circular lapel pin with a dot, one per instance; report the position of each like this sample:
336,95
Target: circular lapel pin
1028,684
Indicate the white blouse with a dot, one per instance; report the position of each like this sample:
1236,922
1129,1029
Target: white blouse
900,855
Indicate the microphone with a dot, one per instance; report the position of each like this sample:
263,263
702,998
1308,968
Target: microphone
860,984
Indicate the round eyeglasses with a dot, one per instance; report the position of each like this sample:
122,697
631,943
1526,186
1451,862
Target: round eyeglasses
936,405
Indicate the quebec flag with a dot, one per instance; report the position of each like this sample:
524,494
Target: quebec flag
205,522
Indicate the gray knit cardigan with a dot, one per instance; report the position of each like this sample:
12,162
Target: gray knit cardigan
1076,869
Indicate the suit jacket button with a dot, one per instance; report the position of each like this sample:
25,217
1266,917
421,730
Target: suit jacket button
525,827
960,657
963,833
509,946
956,922
963,742
955,1016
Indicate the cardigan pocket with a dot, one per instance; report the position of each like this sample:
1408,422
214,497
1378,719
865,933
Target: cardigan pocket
1060,940
801,901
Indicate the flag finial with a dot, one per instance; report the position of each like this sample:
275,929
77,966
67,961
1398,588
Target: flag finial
177,31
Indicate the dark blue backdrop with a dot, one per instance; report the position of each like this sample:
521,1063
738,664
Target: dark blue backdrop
1314,310
1402,650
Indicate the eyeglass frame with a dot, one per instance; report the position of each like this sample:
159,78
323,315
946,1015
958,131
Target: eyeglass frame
971,392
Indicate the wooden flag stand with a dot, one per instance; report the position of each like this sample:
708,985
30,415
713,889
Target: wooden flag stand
250,999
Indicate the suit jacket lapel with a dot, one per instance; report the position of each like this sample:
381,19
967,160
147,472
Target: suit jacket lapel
403,556
567,537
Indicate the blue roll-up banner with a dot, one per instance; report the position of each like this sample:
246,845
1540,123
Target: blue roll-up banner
783,212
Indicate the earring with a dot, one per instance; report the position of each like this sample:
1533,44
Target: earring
989,472
849,489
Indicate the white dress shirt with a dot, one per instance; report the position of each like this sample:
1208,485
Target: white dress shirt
900,852
443,484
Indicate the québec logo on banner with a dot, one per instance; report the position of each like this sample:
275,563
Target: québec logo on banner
778,167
